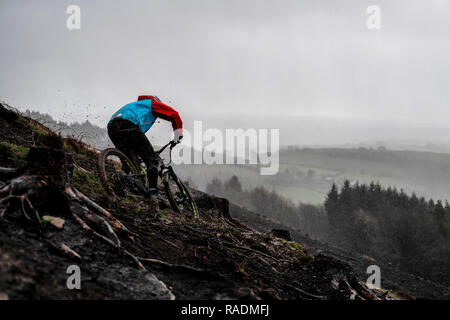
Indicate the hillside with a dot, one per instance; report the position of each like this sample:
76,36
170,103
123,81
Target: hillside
305,175
54,213
393,277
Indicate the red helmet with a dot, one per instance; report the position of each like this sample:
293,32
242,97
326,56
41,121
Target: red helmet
148,97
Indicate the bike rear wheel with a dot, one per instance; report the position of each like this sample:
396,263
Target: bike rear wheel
178,194
118,173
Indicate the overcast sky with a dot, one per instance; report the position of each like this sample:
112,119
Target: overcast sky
237,58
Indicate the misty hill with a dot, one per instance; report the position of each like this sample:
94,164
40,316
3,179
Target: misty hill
409,232
55,214
393,277
306,174
85,131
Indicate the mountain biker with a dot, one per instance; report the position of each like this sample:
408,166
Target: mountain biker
127,128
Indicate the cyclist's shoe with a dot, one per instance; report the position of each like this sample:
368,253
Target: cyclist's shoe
151,193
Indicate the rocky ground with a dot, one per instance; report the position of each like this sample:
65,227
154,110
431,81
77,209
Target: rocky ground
163,255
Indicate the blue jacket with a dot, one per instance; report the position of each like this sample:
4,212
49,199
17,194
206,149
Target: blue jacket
138,112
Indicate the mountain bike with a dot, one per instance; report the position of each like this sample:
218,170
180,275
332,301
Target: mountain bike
125,177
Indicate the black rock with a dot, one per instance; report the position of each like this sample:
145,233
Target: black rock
280,233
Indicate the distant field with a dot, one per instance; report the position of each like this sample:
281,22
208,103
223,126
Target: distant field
306,175
301,194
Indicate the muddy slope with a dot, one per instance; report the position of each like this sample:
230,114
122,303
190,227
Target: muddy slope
392,278
215,257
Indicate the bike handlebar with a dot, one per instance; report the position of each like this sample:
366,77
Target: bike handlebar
171,144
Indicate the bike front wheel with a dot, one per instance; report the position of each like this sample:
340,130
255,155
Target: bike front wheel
178,194
117,173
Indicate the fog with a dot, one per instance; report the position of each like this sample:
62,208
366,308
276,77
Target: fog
311,68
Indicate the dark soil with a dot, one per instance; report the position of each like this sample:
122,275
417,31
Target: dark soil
392,278
215,257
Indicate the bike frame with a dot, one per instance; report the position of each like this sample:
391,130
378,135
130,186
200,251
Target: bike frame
171,144
163,167
139,181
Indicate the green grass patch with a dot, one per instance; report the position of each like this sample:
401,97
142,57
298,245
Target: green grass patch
34,125
162,215
37,128
86,181
294,245
44,222
138,209
79,148
301,253
130,199
13,151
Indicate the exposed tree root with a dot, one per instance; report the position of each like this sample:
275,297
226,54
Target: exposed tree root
116,224
107,240
185,268
250,250
357,291
47,173
170,265
17,190
306,295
